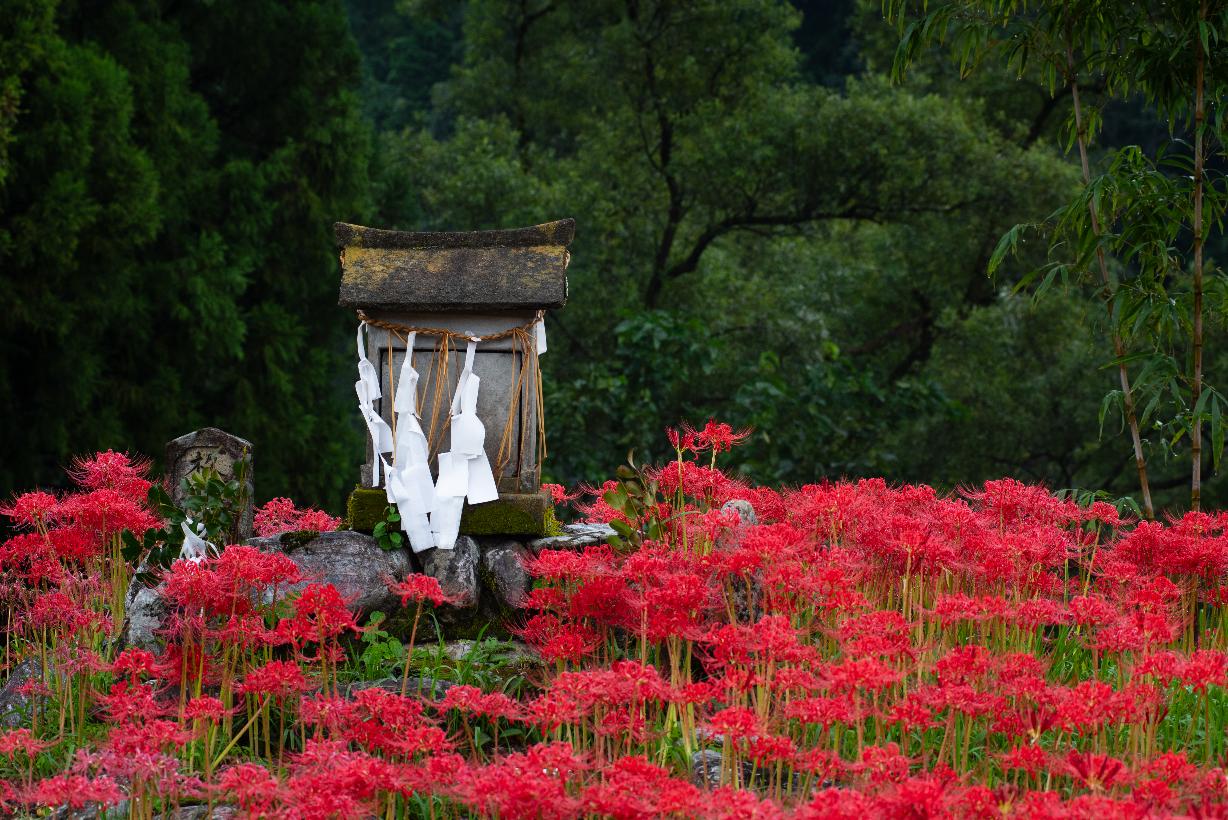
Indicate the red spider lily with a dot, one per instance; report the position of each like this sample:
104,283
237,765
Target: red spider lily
559,494
418,588
278,679
110,470
533,785
1095,771
21,740
634,788
134,663
75,791
205,708
556,640
719,436
253,787
34,509
280,515
106,512
320,614
1029,757
474,701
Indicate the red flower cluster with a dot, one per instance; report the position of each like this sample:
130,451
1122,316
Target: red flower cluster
859,650
280,515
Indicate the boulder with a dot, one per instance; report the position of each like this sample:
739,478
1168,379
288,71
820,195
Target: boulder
744,509
14,703
353,562
574,537
145,612
456,570
504,572
706,768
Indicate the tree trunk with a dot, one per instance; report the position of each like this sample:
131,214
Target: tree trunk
1119,345
1200,115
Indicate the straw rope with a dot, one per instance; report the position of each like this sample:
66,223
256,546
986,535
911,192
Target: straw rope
525,378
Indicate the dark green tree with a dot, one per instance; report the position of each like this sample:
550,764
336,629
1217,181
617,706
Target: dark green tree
164,234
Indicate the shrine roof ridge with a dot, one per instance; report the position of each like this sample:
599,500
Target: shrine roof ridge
559,232
454,271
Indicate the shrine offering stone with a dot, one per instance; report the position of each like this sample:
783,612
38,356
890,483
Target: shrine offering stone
210,448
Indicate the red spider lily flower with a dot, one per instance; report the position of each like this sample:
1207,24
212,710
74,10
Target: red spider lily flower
1028,757
1205,667
736,723
113,471
823,711
320,614
21,740
75,545
1095,771
280,515
474,701
134,663
419,588
75,791
380,722
107,512
836,804
278,679
727,803
256,790
129,703
533,785
559,494
556,640
720,436
882,764
634,788
33,509
683,440
205,707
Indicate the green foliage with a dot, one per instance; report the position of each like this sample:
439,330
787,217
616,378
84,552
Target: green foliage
388,531
211,505
383,655
172,173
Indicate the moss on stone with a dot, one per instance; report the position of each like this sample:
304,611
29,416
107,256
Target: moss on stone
510,514
553,525
298,539
365,509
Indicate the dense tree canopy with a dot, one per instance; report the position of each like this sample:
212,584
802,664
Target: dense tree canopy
769,230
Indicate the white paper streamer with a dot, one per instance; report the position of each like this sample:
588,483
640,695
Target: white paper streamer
430,511
195,549
464,471
409,477
367,389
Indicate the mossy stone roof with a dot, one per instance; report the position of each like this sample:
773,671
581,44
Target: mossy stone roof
524,268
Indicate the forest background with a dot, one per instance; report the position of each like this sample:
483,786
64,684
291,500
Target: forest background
769,230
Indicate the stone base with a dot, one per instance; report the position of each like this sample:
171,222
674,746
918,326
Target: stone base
511,514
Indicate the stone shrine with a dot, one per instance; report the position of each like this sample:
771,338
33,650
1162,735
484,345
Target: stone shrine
454,298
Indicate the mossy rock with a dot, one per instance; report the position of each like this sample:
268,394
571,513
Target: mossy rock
365,509
511,514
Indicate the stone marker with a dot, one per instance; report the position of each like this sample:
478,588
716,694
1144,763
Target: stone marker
483,284
210,448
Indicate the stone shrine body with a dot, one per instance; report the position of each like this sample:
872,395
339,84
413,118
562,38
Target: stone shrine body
439,290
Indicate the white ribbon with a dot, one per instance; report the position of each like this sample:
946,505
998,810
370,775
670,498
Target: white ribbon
367,388
409,478
430,511
464,471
